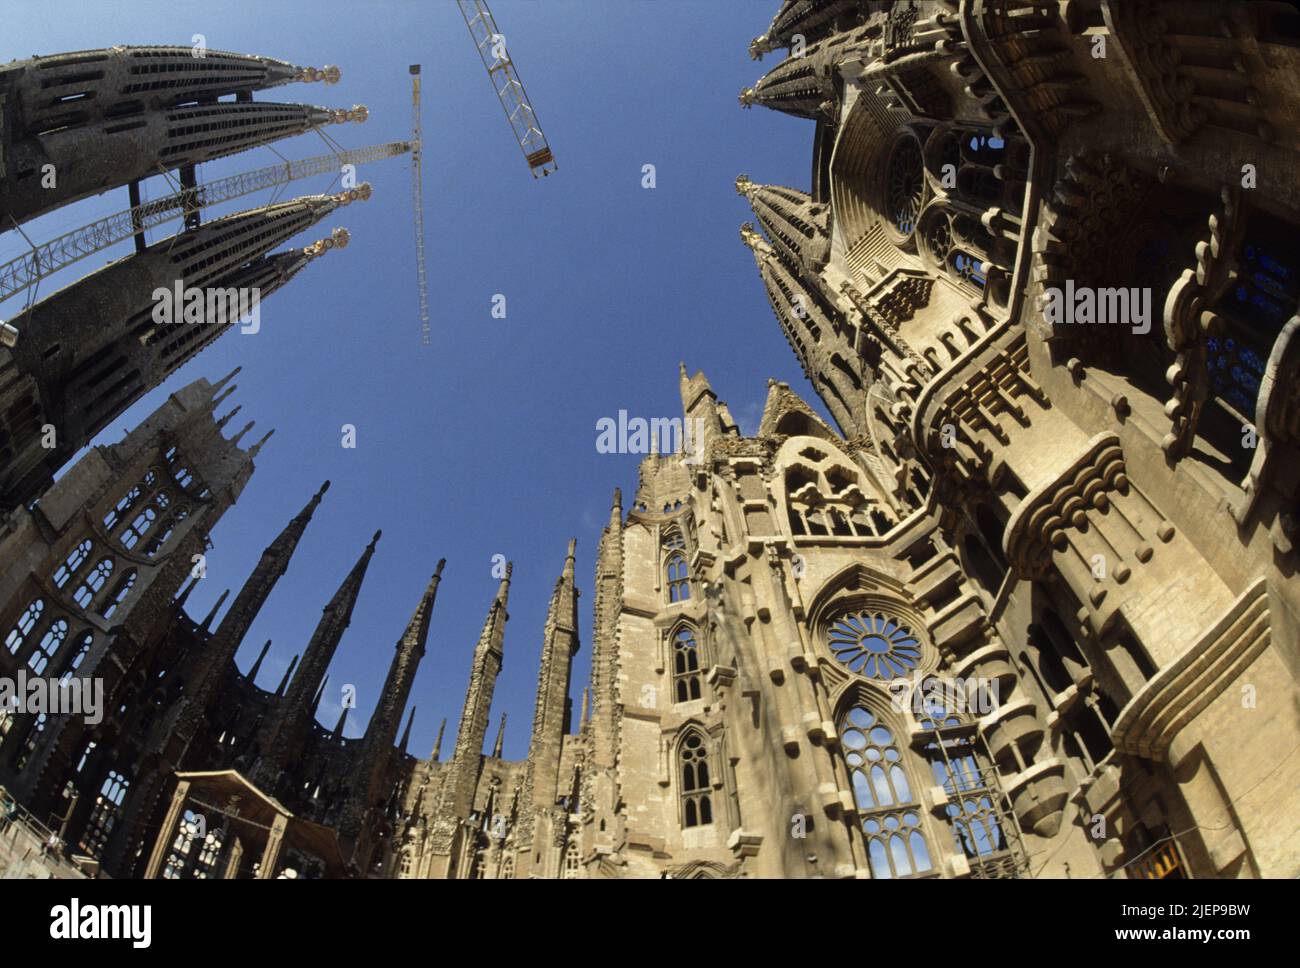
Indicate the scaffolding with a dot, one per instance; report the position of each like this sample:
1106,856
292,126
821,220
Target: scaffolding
44,260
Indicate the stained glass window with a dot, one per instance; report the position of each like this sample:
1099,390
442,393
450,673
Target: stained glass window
875,645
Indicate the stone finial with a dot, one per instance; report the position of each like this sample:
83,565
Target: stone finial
358,113
747,97
310,75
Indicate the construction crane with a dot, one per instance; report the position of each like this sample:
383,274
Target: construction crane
44,260
417,196
523,119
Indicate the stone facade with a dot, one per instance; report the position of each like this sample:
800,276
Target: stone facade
1027,608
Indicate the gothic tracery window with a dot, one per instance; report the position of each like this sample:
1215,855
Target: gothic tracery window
108,806
83,650
874,644
76,558
686,665
23,627
679,583
48,646
696,792
119,594
93,582
572,867
889,811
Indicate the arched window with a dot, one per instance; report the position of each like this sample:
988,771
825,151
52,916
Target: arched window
120,510
76,558
686,665
508,868
49,645
696,795
571,865
889,811
93,582
108,806
679,585
119,594
874,644
83,650
23,627
139,527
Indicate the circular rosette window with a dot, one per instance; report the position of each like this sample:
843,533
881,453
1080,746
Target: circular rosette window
874,645
904,188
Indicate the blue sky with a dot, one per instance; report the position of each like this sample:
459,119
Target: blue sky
483,442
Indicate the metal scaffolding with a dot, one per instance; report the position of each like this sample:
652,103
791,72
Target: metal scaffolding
43,260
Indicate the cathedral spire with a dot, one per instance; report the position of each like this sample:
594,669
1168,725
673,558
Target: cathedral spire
798,227
817,332
551,711
437,743
467,758
257,666
501,737
284,728
221,600
801,85
229,635
288,674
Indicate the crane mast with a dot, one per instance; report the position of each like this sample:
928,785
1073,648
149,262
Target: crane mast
417,197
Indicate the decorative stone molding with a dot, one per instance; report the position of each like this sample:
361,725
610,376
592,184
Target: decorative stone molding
1180,691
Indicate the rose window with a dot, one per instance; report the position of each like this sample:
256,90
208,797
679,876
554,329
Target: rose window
874,645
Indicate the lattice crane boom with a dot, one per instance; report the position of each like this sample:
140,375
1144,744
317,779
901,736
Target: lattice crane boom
32,266
510,90
417,198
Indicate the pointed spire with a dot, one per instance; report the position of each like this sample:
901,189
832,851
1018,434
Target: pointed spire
798,227
288,674
257,447
437,743
501,736
184,596
224,380
343,719
803,86
221,424
257,666
568,559
220,398
207,622
281,732
406,733
616,508
240,436
257,588
315,703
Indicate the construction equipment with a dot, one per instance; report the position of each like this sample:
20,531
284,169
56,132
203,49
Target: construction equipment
417,191
501,70
43,260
